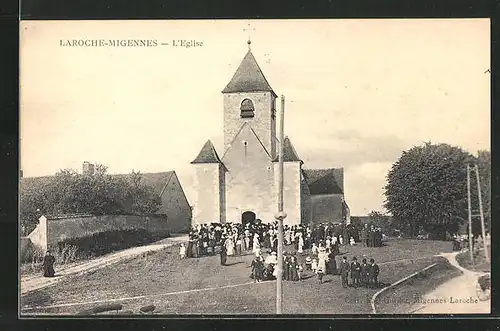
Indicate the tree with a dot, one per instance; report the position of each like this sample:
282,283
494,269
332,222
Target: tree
484,165
379,220
69,192
142,198
426,189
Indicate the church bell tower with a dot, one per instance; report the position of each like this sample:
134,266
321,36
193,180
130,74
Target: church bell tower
248,98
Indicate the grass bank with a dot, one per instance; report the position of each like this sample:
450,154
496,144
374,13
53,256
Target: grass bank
407,296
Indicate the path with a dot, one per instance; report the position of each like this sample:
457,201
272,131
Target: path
461,287
32,283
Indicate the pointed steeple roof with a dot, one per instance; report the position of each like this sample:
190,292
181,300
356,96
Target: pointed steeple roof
289,153
207,154
248,77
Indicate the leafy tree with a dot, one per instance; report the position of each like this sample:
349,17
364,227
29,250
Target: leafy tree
426,189
69,192
484,165
142,198
379,220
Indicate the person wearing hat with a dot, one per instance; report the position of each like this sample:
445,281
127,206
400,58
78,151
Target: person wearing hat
365,273
293,269
223,254
344,272
48,264
374,272
257,269
332,263
355,272
308,263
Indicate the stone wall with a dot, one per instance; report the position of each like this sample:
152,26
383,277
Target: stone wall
51,231
326,208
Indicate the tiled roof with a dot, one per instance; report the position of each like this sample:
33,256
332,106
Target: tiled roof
325,181
289,152
207,154
248,78
156,180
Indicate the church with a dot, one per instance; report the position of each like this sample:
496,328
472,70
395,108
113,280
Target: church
240,184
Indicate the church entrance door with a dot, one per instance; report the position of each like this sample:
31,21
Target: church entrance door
247,217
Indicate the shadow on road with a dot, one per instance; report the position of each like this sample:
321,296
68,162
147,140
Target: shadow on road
230,264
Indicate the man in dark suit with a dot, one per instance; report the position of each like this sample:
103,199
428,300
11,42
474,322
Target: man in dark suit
374,272
365,273
355,272
223,254
344,272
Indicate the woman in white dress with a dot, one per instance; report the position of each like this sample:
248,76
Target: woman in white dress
247,242
230,246
301,243
322,259
256,243
287,236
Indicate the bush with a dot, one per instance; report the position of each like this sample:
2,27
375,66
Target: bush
32,254
484,282
102,243
66,254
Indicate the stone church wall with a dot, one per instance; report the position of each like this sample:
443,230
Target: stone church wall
206,204
261,123
326,208
305,202
291,193
249,180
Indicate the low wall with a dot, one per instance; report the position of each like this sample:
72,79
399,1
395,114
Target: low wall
50,231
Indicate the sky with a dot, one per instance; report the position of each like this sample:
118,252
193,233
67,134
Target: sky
358,93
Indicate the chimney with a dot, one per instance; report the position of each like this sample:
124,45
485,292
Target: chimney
88,169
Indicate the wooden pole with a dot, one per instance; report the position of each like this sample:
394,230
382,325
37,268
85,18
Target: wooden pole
483,230
281,214
470,215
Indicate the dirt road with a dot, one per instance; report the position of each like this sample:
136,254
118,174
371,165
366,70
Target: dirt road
458,296
32,283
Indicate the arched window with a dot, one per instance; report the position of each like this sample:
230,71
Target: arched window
247,109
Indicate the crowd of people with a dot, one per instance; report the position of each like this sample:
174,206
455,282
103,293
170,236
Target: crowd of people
371,236
323,240
235,238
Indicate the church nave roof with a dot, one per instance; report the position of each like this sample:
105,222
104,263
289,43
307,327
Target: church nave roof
324,181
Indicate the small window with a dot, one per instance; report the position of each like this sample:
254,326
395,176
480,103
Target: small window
247,109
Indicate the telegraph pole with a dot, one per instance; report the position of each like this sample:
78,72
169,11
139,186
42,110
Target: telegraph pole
483,230
281,214
470,215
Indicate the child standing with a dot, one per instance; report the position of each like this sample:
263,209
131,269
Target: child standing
308,263
182,251
314,265
314,249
